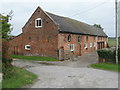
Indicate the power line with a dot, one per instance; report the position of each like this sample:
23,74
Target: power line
88,9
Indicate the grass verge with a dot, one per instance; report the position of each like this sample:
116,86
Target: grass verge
106,66
37,58
20,79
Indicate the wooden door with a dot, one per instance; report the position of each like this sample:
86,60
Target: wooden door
61,53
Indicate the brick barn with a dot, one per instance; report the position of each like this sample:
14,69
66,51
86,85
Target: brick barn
46,34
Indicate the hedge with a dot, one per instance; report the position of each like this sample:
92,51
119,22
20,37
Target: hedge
108,55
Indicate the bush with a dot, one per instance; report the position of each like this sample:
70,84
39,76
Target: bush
7,67
108,55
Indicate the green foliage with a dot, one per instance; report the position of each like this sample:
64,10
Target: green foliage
111,42
20,78
6,26
108,55
98,26
7,70
106,66
37,58
7,67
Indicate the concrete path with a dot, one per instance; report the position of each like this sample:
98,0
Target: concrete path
69,74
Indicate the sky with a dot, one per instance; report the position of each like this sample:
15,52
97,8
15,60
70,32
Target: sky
89,11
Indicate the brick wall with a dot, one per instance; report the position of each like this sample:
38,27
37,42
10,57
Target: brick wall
43,40
79,48
16,45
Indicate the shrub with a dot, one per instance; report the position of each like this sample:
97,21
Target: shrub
108,55
7,67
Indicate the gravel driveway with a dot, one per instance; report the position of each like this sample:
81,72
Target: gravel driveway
69,74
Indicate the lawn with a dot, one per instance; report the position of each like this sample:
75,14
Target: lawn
20,79
106,66
37,58
111,42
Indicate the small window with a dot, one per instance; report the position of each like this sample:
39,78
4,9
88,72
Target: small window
90,44
95,37
105,43
86,38
71,47
85,45
38,22
79,39
69,38
27,47
95,44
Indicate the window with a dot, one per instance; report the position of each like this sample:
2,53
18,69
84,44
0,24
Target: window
38,22
95,37
90,44
69,38
105,43
71,47
85,45
86,38
27,47
79,39
95,44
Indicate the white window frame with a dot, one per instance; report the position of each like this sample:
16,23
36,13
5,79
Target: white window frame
85,45
27,48
71,47
36,22
91,45
105,43
95,44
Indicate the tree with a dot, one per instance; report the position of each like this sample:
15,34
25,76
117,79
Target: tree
98,26
7,68
5,25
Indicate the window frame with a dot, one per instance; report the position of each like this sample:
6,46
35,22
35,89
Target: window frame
79,39
87,38
36,22
27,48
91,45
95,44
85,45
73,47
69,38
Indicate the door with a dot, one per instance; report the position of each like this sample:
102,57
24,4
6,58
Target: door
79,49
61,53
16,50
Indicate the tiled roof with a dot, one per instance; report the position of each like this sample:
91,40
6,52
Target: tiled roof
74,26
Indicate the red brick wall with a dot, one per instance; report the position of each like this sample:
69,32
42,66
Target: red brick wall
46,40
43,40
16,45
79,47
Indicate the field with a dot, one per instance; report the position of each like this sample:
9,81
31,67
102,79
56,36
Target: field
111,42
